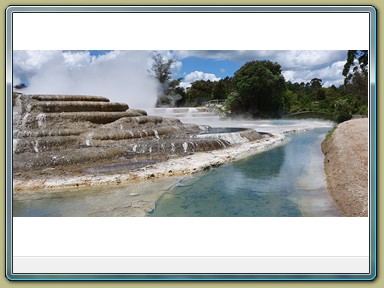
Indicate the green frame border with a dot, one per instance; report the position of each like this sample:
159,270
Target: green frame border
372,120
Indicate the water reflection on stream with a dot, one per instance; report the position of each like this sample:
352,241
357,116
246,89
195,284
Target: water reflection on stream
286,181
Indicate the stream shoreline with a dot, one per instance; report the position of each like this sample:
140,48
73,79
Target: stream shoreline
179,166
346,166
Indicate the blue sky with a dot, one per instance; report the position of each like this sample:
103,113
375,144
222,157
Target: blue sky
109,72
297,65
193,63
221,68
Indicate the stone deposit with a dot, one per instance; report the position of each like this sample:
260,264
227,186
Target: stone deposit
346,166
70,136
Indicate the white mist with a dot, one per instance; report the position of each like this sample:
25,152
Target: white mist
119,75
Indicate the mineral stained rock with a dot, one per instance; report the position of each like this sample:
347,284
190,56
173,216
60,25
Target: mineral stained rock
57,130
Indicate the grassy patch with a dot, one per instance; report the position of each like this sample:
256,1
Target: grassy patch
329,134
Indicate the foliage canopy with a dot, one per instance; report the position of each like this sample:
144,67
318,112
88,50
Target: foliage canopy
260,87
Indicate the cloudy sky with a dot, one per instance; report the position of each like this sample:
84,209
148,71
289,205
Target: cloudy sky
123,75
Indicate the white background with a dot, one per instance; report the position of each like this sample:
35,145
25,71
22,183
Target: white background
191,31
191,236
188,236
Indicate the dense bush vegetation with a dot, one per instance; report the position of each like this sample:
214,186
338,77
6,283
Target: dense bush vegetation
258,89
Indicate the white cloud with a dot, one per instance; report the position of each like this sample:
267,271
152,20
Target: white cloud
300,60
27,63
330,75
77,59
197,75
297,65
288,59
119,75
176,67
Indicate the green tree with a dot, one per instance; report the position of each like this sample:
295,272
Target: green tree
316,84
176,92
260,86
161,68
199,92
343,110
220,90
233,102
357,61
358,87
293,100
356,75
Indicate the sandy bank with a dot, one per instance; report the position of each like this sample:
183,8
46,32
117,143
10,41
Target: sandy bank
346,166
177,166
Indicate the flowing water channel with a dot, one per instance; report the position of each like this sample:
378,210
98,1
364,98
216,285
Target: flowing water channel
285,181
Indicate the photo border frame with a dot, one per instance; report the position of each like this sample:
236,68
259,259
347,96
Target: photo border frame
197,9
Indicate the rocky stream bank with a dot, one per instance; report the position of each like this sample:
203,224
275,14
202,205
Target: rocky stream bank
346,166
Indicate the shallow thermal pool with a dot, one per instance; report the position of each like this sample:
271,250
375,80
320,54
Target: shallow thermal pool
287,180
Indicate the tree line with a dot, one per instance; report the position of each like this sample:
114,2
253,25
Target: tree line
259,90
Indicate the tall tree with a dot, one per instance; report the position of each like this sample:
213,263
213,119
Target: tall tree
220,90
260,87
161,68
316,84
357,61
356,74
200,91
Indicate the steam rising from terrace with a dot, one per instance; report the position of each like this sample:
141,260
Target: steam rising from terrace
119,75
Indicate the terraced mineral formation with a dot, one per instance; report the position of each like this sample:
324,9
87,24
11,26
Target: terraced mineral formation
58,130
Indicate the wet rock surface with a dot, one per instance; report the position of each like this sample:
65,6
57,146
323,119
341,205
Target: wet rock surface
75,135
